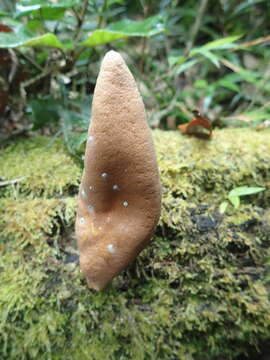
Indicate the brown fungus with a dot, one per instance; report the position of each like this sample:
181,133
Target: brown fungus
119,199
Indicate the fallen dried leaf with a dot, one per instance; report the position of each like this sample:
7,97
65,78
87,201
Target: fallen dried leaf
199,126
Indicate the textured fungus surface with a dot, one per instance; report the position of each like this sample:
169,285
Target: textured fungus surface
119,198
200,291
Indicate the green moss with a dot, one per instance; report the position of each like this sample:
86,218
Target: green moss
207,170
42,165
243,215
27,221
200,290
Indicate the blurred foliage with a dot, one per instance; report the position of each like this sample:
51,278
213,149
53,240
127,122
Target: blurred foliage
200,291
207,55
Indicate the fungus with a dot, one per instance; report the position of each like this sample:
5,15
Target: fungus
120,195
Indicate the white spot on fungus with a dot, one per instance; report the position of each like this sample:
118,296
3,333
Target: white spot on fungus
115,187
104,175
82,220
91,188
83,193
125,203
90,138
91,209
111,248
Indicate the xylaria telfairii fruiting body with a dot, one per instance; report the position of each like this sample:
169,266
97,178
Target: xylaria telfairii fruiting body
119,198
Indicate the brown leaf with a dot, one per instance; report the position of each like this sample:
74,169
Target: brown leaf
5,28
199,126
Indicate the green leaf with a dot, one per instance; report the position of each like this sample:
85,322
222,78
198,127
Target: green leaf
250,76
186,65
229,85
244,5
172,60
235,200
209,55
200,84
44,111
223,206
224,43
45,9
75,125
102,37
245,190
23,37
74,141
47,39
124,29
3,13
112,2
242,74
181,60
148,27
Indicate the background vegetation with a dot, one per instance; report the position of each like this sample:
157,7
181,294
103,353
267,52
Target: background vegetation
208,55
201,290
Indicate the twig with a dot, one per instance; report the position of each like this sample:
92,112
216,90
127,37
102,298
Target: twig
10,182
23,93
142,62
80,19
14,66
101,18
144,40
42,18
38,67
230,65
76,14
196,26
31,81
251,43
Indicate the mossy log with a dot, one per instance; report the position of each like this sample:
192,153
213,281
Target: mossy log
199,291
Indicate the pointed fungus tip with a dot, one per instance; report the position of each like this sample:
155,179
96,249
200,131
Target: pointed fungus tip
112,57
112,53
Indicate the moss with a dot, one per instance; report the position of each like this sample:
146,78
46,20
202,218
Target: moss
207,170
201,290
42,165
27,221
